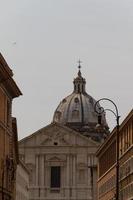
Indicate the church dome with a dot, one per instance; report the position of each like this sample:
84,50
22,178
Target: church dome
77,109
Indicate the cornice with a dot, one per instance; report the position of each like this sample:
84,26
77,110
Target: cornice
6,78
5,65
128,118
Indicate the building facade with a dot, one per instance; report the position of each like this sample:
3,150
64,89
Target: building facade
8,132
107,169
61,156
22,182
107,163
126,158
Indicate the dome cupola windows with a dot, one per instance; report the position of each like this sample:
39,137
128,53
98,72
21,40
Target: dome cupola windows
79,82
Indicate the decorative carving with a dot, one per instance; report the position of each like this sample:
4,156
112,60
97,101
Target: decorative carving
55,161
56,137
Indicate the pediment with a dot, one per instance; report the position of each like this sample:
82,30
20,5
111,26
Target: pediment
56,135
55,159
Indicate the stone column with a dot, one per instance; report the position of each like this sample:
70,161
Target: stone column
47,178
74,170
89,177
68,177
90,187
36,170
45,173
42,171
41,175
74,176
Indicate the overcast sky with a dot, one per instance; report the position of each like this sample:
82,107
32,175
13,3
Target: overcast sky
42,40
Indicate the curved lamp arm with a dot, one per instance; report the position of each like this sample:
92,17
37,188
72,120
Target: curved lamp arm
99,109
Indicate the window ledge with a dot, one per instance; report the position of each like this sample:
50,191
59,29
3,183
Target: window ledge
55,190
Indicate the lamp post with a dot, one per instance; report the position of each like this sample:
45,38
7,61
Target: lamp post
100,110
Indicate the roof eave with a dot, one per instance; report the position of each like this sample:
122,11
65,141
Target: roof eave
6,78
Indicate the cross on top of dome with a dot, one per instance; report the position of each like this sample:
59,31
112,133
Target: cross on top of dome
79,66
79,62
79,81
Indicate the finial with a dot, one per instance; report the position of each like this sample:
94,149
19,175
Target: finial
79,66
79,62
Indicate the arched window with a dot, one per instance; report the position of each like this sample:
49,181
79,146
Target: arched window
76,100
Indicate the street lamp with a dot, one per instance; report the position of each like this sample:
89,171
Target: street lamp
100,110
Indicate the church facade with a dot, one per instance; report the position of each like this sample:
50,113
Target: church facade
61,156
